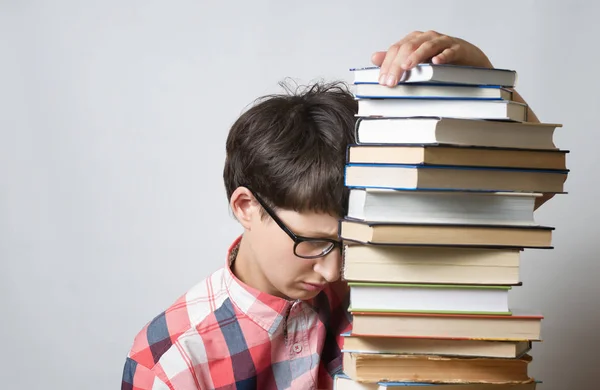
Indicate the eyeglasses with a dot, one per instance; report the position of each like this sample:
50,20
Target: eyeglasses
305,247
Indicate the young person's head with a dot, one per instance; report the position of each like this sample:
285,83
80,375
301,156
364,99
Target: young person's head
285,160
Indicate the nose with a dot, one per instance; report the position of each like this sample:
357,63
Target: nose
329,267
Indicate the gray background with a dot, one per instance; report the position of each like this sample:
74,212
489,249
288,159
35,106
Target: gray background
113,118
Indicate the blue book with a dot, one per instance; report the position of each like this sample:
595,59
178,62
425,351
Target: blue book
431,91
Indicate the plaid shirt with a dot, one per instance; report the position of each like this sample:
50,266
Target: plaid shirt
223,334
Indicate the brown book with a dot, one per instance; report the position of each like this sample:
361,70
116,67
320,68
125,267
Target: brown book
438,177
434,369
457,155
432,346
515,327
412,264
446,234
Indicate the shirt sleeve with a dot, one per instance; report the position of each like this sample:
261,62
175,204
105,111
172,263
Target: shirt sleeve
158,366
158,360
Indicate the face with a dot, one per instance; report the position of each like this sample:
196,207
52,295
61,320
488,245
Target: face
276,268
289,275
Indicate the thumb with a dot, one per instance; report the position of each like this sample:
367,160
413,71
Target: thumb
378,57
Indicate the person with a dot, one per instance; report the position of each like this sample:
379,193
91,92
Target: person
272,316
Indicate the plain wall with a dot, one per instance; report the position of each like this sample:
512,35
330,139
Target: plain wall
113,119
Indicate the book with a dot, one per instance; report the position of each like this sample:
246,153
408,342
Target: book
385,233
413,264
428,298
453,207
343,382
454,131
472,109
444,177
443,73
516,327
431,346
430,91
437,369
438,177
455,155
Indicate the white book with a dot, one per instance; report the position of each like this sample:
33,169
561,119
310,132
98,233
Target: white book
452,131
451,207
432,298
469,109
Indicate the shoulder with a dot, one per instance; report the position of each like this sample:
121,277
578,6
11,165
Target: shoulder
183,317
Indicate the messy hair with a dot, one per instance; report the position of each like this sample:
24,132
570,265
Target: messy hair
290,148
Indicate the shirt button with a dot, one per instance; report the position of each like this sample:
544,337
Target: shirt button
297,348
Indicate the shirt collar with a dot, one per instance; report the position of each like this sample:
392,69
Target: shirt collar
264,309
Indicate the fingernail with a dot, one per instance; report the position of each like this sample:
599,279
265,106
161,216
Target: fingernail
382,79
391,80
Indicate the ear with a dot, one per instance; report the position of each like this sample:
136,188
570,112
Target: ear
245,208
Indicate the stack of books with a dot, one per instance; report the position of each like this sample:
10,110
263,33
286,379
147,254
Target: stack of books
444,181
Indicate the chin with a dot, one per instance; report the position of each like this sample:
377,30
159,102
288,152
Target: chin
302,295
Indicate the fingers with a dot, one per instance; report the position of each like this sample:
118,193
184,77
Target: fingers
391,54
412,50
418,47
446,56
387,62
428,50
378,57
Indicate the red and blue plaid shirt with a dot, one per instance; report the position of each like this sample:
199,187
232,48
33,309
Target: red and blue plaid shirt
223,334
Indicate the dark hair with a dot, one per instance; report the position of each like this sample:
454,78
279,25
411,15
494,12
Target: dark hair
290,148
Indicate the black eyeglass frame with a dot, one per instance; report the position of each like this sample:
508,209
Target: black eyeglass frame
297,238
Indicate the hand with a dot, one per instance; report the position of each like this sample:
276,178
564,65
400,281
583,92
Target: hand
419,47
431,46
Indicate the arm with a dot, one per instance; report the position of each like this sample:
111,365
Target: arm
158,361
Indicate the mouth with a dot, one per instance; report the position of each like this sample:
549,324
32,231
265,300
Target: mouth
313,286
